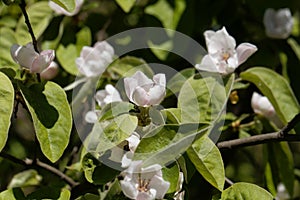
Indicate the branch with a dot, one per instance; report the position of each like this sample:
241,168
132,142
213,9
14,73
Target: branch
281,135
34,41
38,163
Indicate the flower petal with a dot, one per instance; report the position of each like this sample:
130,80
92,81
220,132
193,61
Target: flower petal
244,51
129,189
24,55
156,95
130,84
42,61
150,195
50,72
140,97
207,64
161,186
91,117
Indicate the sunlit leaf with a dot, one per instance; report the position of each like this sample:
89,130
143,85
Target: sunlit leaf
12,194
51,116
66,56
68,5
171,174
165,143
83,38
280,95
203,99
208,161
40,15
126,5
26,178
7,105
7,39
245,191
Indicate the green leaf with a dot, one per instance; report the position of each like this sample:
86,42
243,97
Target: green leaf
165,143
83,38
68,5
177,81
126,5
66,57
108,134
7,105
295,46
7,39
128,65
40,15
50,193
245,191
64,194
161,51
168,16
208,161
280,95
51,116
12,194
115,109
203,99
171,174
53,44
280,166
26,178
173,115
113,191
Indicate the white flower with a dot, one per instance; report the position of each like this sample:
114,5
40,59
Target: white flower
94,60
144,183
278,24
282,193
61,11
222,55
143,91
50,72
125,157
28,58
108,95
91,117
262,106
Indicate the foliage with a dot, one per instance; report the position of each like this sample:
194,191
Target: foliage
72,137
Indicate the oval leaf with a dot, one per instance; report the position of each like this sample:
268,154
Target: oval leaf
39,15
245,191
6,109
53,135
208,161
280,95
165,143
126,5
7,39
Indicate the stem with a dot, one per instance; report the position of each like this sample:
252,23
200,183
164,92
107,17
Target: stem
34,41
281,135
30,162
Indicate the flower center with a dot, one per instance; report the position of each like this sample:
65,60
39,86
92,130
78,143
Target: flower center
143,185
225,56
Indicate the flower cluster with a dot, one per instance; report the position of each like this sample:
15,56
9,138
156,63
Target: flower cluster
223,56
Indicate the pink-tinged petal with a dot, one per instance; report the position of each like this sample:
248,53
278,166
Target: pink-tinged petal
50,72
160,79
161,186
89,53
140,97
42,61
129,189
142,79
130,84
150,195
244,51
24,55
133,141
207,64
156,95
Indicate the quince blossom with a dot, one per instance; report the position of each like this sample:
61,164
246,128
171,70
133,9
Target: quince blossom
223,56
143,91
103,97
278,24
262,106
28,58
50,72
144,183
108,95
94,60
61,11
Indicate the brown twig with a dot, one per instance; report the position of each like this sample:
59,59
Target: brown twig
281,135
38,163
